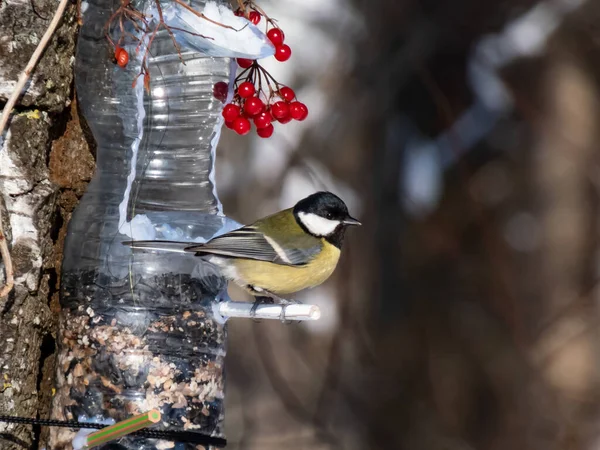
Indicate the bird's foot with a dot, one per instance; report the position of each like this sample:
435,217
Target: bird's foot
255,305
267,298
283,301
284,304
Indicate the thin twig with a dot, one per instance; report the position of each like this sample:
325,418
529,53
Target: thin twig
270,21
162,23
293,404
128,12
191,33
4,252
199,14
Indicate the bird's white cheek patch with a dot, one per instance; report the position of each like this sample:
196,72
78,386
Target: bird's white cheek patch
317,225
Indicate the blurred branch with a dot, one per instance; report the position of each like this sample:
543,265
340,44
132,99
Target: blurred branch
496,253
289,399
332,373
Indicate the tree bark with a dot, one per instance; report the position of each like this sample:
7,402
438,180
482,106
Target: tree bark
44,165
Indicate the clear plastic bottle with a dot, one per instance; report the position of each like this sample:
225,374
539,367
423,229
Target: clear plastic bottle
136,329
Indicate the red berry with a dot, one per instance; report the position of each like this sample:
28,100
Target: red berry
280,110
246,89
263,119
220,90
231,112
229,125
276,36
121,56
283,52
287,93
244,63
286,119
254,17
241,126
253,106
238,12
266,131
298,111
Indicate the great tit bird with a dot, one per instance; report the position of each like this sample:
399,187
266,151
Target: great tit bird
291,250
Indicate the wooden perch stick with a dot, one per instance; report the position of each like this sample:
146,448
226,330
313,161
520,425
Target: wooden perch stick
4,252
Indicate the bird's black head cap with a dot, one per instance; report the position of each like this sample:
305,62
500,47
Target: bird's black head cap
326,206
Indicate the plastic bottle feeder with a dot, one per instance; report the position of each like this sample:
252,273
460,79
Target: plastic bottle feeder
137,329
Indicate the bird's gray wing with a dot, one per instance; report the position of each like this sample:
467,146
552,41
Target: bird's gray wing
252,244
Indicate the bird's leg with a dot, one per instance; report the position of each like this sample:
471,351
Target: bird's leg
263,296
259,300
281,301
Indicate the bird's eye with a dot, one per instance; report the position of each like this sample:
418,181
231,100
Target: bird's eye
329,216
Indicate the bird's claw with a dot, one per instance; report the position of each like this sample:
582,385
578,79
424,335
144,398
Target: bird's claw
253,310
259,301
284,304
282,315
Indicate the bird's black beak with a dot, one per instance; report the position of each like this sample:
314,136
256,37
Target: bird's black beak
350,221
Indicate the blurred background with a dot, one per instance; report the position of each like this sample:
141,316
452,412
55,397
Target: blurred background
463,314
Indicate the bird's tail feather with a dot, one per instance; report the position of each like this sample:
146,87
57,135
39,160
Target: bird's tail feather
165,246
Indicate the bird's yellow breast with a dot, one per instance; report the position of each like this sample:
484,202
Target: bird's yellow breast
283,280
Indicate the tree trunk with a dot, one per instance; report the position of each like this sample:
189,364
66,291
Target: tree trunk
45,164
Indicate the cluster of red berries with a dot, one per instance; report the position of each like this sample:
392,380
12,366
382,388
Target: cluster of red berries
252,103
247,106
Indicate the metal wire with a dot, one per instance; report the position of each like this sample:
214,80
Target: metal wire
171,435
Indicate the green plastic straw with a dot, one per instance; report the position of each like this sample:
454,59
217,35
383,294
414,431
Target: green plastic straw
122,428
